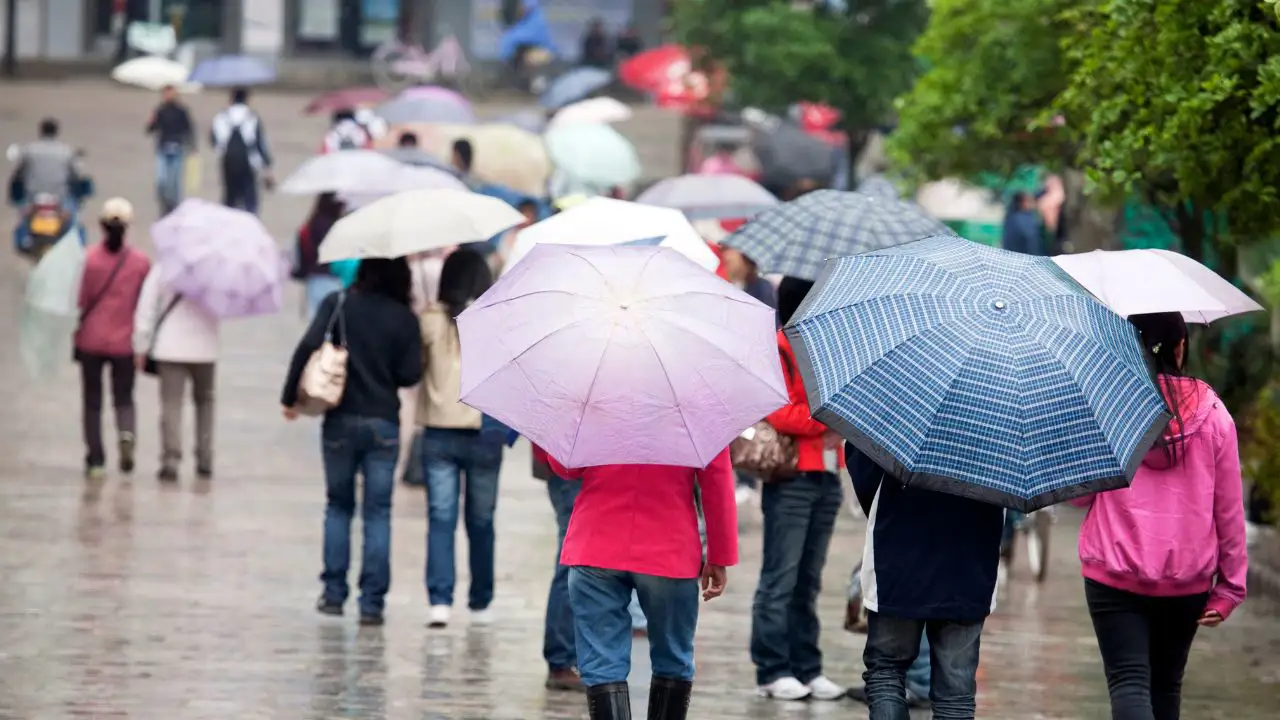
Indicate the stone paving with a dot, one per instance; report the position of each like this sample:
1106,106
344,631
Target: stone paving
125,599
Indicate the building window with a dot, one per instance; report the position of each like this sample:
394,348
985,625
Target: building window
353,27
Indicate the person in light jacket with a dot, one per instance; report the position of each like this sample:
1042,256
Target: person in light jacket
182,338
1166,555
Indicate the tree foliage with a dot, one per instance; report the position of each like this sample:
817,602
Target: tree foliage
856,59
994,70
1179,101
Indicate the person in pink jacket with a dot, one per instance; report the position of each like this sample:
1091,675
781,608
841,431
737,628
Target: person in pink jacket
635,527
1166,555
109,290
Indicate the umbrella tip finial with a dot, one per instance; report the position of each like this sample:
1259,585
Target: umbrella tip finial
999,305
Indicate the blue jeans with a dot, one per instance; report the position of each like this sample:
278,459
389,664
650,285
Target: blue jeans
169,177
318,287
603,627
892,647
799,517
447,457
369,446
557,640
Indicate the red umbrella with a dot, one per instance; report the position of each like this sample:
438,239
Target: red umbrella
346,98
814,116
651,70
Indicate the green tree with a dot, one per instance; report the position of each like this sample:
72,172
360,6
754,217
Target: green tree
777,52
1178,101
994,69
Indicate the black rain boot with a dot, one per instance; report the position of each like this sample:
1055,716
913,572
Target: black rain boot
669,699
611,701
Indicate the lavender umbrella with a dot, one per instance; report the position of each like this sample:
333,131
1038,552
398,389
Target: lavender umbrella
222,259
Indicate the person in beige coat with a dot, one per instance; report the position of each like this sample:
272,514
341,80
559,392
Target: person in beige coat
182,338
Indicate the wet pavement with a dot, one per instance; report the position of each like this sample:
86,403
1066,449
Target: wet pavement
126,599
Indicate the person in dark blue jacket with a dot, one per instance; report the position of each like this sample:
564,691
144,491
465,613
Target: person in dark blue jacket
1023,229
929,567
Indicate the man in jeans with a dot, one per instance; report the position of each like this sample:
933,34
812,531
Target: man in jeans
175,137
929,566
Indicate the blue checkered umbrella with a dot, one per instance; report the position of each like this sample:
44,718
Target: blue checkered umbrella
977,372
796,238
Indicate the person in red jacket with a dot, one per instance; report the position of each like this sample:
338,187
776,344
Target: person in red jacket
635,527
799,518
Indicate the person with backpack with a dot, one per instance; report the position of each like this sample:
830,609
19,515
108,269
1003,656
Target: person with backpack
240,142
345,133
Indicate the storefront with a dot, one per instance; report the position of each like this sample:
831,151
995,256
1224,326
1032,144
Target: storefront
349,27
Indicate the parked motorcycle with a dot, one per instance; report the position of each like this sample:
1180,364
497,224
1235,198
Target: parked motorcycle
44,219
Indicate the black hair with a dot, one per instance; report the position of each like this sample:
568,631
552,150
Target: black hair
464,277
114,231
408,140
1161,335
791,292
48,128
239,96
342,114
527,204
462,148
388,277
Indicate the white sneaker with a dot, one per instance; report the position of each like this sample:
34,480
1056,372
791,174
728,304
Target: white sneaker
482,618
438,617
821,688
787,688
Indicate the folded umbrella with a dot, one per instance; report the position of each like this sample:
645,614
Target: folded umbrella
417,221
50,312
595,155
633,355
710,197
978,372
574,85
595,111
220,258
345,99
233,71
1134,282
796,238
424,110
605,221
364,172
154,73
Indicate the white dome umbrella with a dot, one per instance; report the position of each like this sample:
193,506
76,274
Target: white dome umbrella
406,177
710,197
1134,282
599,111
605,221
416,221
154,73
364,172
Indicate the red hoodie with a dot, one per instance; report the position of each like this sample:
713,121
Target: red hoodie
793,419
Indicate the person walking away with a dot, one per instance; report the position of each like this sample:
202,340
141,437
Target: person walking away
182,339
1023,231
559,647
1166,555
424,271
240,142
374,323
928,567
174,134
799,518
109,289
461,157
345,133
459,462
318,279
635,529
596,51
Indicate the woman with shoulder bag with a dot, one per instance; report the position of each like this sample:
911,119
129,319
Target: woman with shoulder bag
109,288
380,350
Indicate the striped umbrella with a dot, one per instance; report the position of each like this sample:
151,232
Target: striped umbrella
978,372
796,238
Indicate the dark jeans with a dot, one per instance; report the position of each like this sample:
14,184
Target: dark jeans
241,193
892,646
122,377
799,516
461,470
602,624
558,641
1144,643
369,446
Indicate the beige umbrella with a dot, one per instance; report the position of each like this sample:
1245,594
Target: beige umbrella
503,154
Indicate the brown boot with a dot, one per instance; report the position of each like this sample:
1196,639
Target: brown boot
566,679
669,698
611,701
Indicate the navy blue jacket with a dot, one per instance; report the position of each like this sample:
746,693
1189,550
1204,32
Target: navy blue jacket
930,555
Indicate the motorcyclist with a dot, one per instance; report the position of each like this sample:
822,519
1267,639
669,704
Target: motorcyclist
46,168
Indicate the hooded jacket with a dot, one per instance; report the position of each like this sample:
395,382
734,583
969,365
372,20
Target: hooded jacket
1178,529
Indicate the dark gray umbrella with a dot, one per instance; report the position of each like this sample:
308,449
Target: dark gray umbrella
788,155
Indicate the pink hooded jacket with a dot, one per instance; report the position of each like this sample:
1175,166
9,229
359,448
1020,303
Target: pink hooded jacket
1177,529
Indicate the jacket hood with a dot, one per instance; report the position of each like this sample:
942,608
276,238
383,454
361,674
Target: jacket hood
1195,401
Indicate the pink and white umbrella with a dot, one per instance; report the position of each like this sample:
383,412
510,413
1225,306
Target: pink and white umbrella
222,259
629,354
